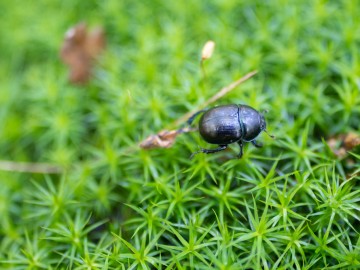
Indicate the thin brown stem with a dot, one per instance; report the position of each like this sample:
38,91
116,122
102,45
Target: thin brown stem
203,69
225,90
27,167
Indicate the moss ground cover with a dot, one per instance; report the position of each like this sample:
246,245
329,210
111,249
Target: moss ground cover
290,205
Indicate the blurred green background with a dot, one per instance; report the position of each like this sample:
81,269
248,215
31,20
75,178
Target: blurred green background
292,204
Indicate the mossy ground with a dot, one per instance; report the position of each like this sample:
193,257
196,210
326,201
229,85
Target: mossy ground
289,205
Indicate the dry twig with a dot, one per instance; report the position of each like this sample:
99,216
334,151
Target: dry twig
166,138
27,167
222,92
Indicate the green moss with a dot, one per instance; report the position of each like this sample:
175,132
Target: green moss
289,205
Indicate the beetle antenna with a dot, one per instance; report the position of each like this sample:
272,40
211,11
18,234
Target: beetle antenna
271,136
191,119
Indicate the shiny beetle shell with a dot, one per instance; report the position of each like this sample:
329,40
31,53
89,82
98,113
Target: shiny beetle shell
228,124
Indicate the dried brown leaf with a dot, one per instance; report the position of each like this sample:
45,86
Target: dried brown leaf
95,42
164,139
79,51
343,143
351,141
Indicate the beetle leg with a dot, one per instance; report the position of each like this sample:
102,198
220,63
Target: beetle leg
256,144
191,119
209,151
240,143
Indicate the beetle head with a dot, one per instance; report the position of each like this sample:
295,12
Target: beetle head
262,123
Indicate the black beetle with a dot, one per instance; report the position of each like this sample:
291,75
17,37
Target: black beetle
227,124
